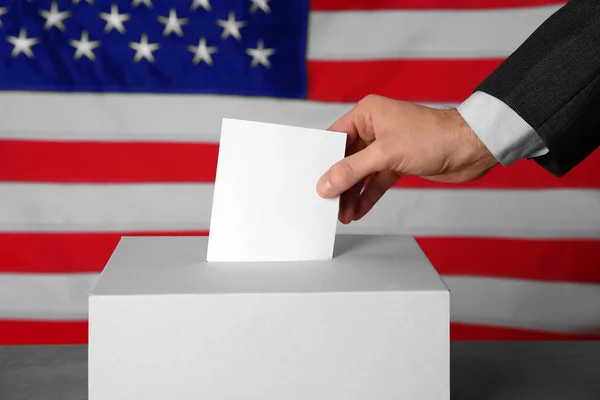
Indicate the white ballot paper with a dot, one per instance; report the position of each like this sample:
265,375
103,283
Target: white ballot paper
265,204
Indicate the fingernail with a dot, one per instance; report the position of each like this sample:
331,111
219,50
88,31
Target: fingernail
325,189
349,214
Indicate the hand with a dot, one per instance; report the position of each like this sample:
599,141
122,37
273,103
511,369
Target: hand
388,139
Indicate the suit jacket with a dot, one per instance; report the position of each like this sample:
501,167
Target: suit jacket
553,82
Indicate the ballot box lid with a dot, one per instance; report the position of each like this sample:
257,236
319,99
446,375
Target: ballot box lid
173,265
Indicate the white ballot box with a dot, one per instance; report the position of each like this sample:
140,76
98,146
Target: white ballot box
371,323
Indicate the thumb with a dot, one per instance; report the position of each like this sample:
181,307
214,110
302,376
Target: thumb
348,172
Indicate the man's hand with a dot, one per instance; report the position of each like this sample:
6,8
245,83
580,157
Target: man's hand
388,139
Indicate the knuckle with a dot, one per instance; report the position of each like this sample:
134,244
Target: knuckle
378,187
344,170
381,155
369,99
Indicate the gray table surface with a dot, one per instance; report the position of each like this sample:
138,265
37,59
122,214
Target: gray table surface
479,370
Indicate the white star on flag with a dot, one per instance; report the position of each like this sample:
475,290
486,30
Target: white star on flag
201,3
262,4
84,47
202,52
143,49
231,26
87,1
55,17
22,44
172,23
147,3
3,11
260,55
114,19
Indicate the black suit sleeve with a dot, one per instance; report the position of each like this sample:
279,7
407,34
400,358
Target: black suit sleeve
553,82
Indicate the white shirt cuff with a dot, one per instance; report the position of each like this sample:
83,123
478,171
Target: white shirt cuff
506,135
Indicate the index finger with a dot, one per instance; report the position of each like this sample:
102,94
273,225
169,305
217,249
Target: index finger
347,124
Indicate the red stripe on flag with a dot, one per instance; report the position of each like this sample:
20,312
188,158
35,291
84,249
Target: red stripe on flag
472,332
116,162
426,81
107,162
544,260
524,174
17,332
64,252
351,5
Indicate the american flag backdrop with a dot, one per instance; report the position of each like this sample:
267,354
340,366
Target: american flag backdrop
110,114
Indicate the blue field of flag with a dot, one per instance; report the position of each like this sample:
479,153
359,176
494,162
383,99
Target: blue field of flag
247,47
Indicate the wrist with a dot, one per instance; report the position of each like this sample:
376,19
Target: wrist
502,130
470,149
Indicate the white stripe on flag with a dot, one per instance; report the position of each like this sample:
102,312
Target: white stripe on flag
45,296
148,117
554,307
161,207
394,34
547,306
557,213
